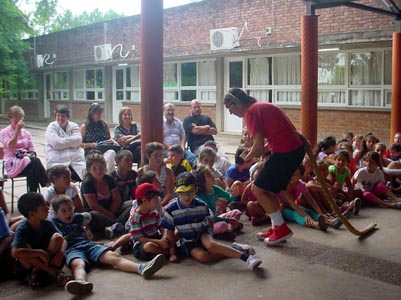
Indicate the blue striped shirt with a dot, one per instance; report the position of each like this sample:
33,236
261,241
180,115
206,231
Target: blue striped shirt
189,221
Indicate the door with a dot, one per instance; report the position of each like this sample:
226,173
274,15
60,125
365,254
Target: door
235,78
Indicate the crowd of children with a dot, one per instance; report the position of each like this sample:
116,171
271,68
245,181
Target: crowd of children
172,209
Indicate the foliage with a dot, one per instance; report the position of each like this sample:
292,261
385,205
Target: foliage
44,15
13,27
68,20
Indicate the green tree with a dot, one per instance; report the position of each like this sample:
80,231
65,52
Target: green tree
68,20
44,15
13,28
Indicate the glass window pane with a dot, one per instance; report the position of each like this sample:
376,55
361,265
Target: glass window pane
79,79
387,67
208,95
170,75
90,78
289,96
235,76
188,95
387,98
127,96
331,69
336,97
207,73
128,77
170,95
365,98
90,95
188,74
119,79
135,78
259,71
287,70
120,95
261,95
99,78
366,68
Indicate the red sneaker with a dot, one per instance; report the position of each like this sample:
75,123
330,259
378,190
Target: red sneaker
264,234
280,233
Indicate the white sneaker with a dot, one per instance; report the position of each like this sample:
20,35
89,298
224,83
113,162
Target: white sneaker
253,262
243,248
151,267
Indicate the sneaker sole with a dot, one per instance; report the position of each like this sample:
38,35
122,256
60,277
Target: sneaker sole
153,266
272,243
249,250
357,206
78,287
256,265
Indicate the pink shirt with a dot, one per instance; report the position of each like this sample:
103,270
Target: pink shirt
13,165
273,124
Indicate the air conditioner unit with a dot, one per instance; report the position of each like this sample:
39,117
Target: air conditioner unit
224,38
102,52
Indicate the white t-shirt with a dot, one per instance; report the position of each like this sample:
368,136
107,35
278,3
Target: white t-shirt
50,194
366,181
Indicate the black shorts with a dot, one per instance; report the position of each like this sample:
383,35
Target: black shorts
278,170
139,252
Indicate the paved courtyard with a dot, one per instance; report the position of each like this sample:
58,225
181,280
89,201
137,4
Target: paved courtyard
311,265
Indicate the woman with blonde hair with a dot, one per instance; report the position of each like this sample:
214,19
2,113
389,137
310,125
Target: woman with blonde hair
128,133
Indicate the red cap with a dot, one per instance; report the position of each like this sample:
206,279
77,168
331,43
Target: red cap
146,190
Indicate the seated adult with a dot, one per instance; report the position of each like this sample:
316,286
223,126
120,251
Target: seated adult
174,134
128,134
62,145
19,154
198,128
96,135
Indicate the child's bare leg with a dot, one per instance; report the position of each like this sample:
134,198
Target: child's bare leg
122,240
218,249
116,260
204,256
154,248
56,244
77,266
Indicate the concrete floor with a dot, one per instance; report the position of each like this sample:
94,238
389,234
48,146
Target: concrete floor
311,265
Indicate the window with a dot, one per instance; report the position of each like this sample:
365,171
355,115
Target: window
259,78
89,84
127,83
170,82
331,69
387,67
8,89
366,68
57,85
287,79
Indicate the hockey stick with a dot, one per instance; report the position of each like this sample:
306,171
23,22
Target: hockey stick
328,196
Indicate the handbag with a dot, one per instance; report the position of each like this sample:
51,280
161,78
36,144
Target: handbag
21,153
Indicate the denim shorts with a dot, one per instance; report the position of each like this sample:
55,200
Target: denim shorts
89,252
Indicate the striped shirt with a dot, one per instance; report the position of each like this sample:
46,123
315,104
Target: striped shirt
189,221
144,225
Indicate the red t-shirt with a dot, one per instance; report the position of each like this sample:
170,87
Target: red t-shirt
273,124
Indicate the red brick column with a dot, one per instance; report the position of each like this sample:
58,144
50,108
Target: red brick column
151,71
309,60
396,87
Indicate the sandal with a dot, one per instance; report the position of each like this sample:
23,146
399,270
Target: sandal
61,278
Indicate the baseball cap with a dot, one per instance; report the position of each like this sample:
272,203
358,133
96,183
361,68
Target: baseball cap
146,190
185,182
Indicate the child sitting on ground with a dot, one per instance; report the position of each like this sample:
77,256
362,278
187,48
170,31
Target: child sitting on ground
102,199
6,238
176,160
221,162
240,170
254,210
124,177
60,178
125,241
144,224
207,157
82,253
37,246
190,217
370,179
225,224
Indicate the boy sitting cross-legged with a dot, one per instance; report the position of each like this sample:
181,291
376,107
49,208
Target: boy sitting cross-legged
190,217
82,253
37,246
144,224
